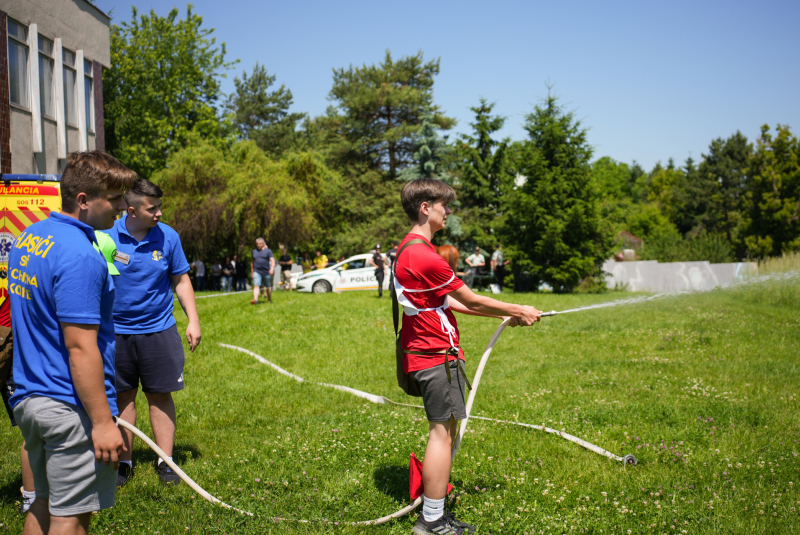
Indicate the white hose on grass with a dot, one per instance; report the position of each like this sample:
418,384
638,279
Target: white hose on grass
628,459
189,481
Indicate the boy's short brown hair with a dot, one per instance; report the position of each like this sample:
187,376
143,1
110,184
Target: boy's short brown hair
422,190
92,172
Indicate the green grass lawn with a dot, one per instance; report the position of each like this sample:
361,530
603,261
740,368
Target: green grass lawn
702,389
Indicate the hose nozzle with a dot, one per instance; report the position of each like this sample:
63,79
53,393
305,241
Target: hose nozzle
551,313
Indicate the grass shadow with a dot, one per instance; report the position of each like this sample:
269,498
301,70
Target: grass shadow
392,481
180,454
9,493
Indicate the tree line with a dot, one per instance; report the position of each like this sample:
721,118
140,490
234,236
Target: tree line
243,165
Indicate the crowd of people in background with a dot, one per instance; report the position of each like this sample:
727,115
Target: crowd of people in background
233,274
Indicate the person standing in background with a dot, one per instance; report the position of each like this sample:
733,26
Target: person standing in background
149,349
262,266
320,261
199,268
378,263
241,274
227,274
499,264
306,263
286,268
391,256
216,274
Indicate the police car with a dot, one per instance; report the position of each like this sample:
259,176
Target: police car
355,273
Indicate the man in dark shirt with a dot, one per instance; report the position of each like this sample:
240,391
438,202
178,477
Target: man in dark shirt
378,262
262,266
286,268
241,274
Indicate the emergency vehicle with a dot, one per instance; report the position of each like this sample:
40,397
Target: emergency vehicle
24,200
355,273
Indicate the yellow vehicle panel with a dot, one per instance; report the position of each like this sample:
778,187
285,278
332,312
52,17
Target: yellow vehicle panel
21,205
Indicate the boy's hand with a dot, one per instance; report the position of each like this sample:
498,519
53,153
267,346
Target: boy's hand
528,316
514,321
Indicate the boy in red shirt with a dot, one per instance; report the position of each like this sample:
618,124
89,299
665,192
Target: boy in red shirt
423,283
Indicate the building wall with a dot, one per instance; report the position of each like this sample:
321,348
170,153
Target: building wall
81,27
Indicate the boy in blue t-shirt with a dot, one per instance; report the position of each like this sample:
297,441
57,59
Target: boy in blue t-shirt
62,297
151,262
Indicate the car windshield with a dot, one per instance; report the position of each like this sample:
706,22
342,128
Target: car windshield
350,264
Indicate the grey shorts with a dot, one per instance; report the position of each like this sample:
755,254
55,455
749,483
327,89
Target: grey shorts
59,444
442,398
154,358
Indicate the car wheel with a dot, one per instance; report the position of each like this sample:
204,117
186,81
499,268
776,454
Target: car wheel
321,287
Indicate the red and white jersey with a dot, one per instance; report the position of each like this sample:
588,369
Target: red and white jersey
419,267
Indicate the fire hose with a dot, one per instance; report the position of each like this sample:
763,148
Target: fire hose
628,459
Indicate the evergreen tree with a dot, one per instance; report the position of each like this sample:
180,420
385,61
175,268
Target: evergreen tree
431,154
263,115
552,222
484,177
723,176
380,108
771,224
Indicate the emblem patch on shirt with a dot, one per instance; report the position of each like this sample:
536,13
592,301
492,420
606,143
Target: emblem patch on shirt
122,257
157,255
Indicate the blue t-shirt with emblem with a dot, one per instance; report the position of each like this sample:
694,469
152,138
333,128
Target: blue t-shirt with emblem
55,275
144,291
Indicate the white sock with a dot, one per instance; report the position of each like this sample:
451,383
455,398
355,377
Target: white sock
129,463
29,494
432,509
160,460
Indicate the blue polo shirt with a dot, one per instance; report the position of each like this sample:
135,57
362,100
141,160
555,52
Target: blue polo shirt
56,276
144,292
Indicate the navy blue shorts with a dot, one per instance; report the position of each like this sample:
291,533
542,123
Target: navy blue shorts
155,359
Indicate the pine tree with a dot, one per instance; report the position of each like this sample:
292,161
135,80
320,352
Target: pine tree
553,220
771,224
263,115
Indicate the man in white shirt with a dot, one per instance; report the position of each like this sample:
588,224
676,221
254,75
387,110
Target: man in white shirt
199,273
476,260
499,264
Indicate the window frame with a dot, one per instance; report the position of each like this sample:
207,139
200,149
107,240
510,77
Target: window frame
27,69
43,55
70,121
88,74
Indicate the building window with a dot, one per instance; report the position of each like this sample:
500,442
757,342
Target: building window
46,67
18,63
70,106
88,95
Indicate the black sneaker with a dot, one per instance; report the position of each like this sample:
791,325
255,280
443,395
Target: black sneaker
167,475
124,474
468,528
445,525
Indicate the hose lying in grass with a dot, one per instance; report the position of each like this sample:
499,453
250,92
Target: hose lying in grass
205,494
628,459
189,481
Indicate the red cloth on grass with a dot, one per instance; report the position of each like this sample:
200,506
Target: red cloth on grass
415,484
420,268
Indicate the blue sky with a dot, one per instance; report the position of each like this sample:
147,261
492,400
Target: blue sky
651,80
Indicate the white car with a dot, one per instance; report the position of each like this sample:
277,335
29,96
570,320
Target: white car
355,273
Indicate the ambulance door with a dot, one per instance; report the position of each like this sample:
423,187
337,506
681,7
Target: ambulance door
6,239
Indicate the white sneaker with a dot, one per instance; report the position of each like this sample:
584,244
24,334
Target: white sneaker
26,502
